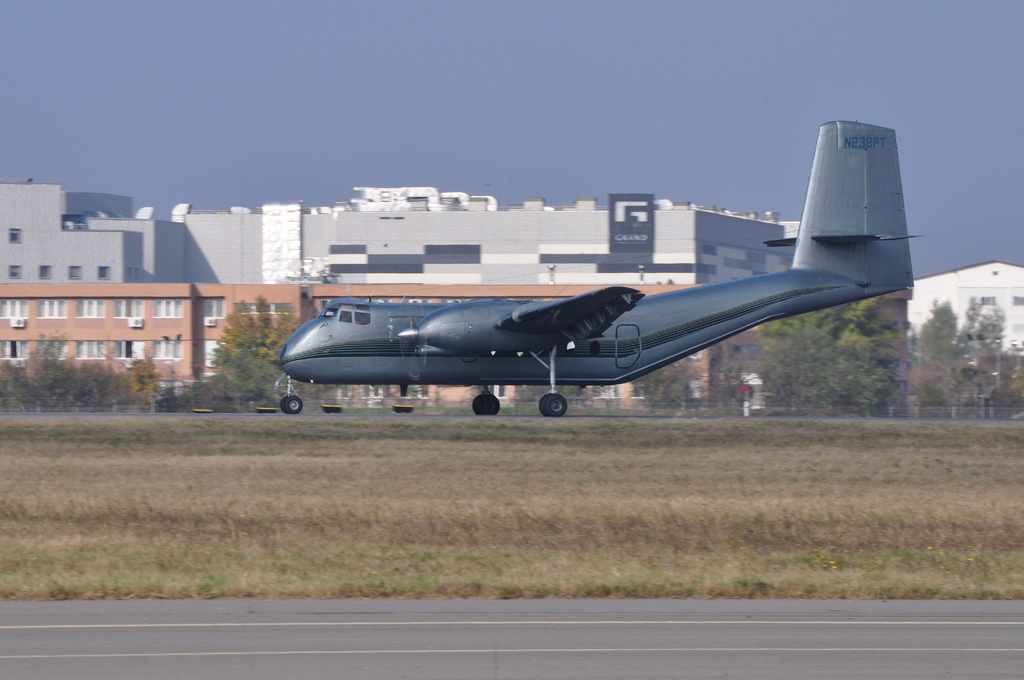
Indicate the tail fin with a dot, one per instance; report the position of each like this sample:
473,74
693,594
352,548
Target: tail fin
853,221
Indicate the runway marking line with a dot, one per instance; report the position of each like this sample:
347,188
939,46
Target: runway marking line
516,651
504,623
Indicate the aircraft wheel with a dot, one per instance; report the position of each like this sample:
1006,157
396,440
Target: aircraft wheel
555,406
486,405
489,405
291,404
544,404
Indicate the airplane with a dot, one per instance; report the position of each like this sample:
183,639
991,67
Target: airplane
851,245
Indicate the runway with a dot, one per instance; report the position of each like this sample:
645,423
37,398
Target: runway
667,639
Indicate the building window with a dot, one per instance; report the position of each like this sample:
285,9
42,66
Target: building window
373,391
90,309
213,309
90,349
607,391
988,301
51,309
167,309
14,271
13,309
167,349
45,271
103,273
14,349
129,349
129,309
52,349
74,272
14,236
1018,301
209,346
274,307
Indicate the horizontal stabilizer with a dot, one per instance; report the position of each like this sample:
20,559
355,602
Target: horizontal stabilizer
781,242
577,317
858,238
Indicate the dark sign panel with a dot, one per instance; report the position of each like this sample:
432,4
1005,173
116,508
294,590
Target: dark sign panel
631,223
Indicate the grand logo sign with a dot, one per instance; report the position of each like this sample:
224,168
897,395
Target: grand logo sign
631,223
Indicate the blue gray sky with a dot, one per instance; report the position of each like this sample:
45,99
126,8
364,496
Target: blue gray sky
248,101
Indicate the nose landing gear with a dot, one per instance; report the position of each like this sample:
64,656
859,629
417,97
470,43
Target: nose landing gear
291,403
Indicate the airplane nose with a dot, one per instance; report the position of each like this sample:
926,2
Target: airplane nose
410,334
284,352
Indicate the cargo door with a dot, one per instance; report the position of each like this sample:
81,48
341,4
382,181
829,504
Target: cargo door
627,345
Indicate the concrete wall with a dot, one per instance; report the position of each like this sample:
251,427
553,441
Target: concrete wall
730,247
224,248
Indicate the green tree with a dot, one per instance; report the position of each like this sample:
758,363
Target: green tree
842,357
667,387
939,342
982,329
246,355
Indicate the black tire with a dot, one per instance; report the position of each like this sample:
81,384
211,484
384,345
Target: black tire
476,405
291,404
556,406
489,405
544,404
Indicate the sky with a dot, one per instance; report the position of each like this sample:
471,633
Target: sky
247,102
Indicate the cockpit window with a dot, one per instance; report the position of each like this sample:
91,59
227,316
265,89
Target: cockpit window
362,315
347,313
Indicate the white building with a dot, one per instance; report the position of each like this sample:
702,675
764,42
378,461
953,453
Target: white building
994,283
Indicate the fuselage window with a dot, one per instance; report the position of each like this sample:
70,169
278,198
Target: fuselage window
329,312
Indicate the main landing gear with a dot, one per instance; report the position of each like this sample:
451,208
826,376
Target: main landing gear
486,404
552,404
291,403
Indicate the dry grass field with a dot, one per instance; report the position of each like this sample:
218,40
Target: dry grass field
575,507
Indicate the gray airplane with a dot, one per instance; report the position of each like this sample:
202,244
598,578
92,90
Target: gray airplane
852,245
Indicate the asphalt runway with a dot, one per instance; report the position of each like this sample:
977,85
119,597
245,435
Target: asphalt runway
385,413
482,639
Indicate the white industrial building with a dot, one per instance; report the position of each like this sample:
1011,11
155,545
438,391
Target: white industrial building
408,235
420,236
995,283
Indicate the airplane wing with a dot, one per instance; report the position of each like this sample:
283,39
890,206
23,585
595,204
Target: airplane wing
580,317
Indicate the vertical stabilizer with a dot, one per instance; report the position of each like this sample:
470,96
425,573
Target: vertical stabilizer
854,222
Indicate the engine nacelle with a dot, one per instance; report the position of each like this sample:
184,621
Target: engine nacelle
467,329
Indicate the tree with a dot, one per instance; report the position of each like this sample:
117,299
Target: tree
939,342
667,387
842,357
983,328
246,355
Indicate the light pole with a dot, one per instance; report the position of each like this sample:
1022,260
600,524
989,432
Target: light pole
999,357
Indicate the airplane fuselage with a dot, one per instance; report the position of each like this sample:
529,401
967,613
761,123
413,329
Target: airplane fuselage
660,329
